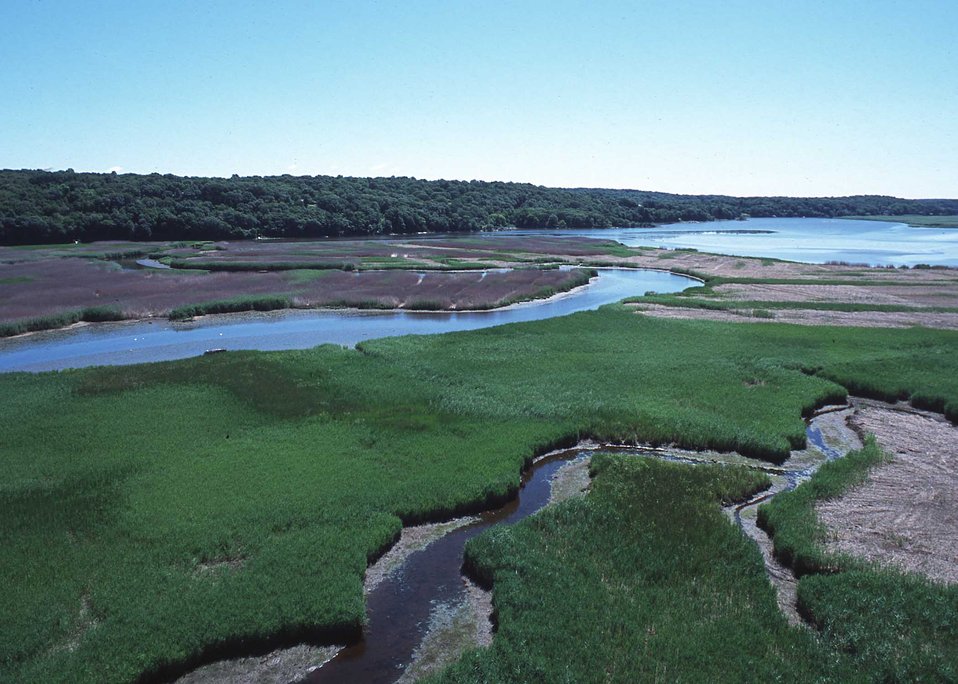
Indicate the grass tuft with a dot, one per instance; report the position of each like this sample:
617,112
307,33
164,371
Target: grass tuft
233,305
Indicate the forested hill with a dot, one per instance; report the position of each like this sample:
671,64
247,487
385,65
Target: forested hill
41,206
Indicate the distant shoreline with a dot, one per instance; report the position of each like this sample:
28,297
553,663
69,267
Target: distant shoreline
917,220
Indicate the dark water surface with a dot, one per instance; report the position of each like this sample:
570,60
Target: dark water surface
160,340
814,241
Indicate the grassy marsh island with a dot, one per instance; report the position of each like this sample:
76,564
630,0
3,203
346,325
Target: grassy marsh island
45,287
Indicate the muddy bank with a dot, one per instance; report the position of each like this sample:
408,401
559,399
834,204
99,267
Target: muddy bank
468,623
421,612
905,514
453,629
293,664
571,480
412,539
829,437
279,667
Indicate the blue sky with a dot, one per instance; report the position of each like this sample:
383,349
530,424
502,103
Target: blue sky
746,98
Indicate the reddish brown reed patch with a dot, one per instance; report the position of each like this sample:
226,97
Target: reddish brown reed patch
42,288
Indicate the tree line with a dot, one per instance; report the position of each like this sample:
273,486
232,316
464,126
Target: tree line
60,206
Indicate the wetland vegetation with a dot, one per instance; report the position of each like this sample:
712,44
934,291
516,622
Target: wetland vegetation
174,513
895,626
376,429
177,513
50,287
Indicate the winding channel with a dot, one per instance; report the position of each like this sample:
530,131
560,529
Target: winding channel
160,340
400,607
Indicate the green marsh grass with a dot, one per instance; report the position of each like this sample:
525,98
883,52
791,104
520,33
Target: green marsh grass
92,314
231,265
465,264
301,276
175,512
645,579
790,518
688,301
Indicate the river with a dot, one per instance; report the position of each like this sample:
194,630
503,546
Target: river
399,609
161,340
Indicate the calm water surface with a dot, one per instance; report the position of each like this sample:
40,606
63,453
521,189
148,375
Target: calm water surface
813,241
160,340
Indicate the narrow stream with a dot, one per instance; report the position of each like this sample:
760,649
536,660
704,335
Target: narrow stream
399,608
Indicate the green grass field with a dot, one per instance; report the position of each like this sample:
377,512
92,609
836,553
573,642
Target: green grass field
161,515
740,304
92,314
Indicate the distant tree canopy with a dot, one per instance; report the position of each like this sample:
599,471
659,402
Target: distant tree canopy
60,206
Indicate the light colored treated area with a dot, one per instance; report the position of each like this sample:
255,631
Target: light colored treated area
921,289
904,295
905,514
855,319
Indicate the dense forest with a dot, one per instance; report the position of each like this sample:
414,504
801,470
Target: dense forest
44,207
